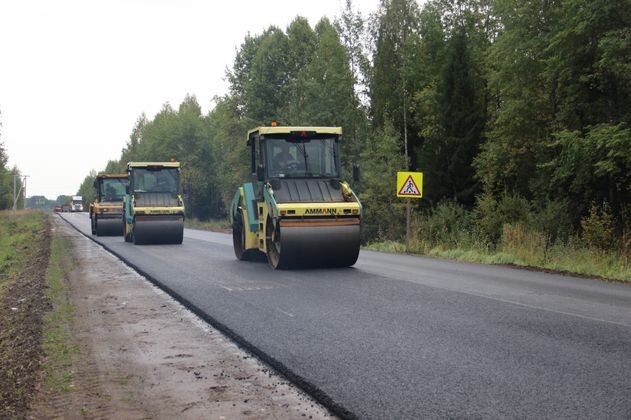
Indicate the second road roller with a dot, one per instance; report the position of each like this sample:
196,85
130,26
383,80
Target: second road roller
153,209
106,212
298,212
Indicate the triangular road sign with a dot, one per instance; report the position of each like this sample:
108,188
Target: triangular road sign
410,188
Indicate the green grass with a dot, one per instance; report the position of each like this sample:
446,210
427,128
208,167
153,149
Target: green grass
569,258
19,241
58,346
212,225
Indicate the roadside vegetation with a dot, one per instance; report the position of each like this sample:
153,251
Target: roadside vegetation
24,251
6,178
518,114
58,341
508,231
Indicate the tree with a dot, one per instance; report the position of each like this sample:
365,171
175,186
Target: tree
302,41
241,72
115,167
447,153
228,133
587,64
86,189
266,90
63,199
39,202
130,151
384,214
352,31
4,174
522,108
392,80
328,96
593,167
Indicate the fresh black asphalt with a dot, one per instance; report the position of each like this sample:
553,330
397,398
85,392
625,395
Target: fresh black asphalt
404,337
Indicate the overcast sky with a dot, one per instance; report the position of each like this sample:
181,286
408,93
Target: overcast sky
75,75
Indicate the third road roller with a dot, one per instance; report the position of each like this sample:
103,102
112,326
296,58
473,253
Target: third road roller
153,209
298,213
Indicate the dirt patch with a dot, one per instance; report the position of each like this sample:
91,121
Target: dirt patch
142,355
23,304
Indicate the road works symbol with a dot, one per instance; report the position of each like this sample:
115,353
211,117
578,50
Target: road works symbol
410,184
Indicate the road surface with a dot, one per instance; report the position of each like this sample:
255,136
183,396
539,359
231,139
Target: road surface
400,336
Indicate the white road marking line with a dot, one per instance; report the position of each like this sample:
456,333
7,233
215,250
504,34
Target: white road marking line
541,308
286,313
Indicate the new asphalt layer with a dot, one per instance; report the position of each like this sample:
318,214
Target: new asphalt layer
407,337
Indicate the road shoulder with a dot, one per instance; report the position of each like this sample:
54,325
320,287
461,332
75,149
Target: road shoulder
141,354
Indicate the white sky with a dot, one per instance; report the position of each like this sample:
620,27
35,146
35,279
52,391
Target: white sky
75,75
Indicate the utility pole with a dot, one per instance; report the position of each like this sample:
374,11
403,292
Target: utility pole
15,201
22,190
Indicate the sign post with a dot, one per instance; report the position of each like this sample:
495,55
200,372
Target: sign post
409,185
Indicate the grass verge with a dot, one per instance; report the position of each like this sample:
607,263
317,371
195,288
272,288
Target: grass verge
24,252
564,258
58,344
18,241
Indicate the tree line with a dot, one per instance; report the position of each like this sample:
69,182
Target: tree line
7,177
501,103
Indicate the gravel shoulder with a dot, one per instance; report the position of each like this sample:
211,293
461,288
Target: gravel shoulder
140,354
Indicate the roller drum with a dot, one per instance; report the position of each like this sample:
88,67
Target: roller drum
317,246
158,230
109,227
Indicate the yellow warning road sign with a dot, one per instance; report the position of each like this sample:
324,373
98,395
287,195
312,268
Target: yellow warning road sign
410,184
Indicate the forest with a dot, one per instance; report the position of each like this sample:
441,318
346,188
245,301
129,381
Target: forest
7,177
517,112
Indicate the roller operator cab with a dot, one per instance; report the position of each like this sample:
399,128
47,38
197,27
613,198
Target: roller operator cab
153,208
298,212
106,212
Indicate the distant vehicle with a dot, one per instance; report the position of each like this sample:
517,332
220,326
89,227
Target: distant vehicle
77,203
65,208
57,209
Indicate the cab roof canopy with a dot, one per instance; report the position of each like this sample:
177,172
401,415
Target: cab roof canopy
292,129
112,176
153,164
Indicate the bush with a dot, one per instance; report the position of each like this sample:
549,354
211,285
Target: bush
491,215
525,243
598,228
448,225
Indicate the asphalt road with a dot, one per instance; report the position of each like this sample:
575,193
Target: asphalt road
401,336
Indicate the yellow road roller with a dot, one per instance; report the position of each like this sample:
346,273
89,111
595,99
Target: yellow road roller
106,212
298,212
153,208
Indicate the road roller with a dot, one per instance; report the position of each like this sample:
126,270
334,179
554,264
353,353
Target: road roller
297,211
153,208
106,212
